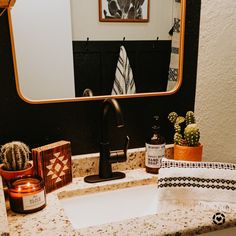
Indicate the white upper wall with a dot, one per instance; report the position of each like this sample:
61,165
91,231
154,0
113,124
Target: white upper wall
43,44
85,23
216,81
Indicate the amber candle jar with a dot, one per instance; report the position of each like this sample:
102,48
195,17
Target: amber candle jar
27,194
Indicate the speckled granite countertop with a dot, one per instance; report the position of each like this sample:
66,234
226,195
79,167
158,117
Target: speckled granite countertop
53,221
3,215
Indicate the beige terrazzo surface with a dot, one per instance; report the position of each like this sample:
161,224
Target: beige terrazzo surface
88,164
53,221
3,215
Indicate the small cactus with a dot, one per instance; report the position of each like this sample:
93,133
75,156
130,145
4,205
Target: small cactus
178,139
172,117
14,156
190,118
192,135
177,128
180,119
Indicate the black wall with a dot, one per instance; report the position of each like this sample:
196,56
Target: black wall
95,65
80,122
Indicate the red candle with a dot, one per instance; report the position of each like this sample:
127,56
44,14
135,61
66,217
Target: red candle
27,194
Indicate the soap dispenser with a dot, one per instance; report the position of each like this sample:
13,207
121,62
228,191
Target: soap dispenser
155,148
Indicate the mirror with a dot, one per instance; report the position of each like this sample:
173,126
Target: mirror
60,48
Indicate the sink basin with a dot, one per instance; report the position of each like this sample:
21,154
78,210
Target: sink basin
111,206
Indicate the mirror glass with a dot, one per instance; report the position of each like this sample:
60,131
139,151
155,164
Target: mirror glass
63,51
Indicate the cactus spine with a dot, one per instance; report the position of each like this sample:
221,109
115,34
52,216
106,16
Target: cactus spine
14,156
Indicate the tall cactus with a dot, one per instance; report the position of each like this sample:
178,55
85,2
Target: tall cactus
14,156
190,118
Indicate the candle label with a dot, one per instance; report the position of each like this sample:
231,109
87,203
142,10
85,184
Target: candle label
34,201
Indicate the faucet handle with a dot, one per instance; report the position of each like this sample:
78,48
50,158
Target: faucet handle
120,155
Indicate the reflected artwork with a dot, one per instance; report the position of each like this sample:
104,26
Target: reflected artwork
124,10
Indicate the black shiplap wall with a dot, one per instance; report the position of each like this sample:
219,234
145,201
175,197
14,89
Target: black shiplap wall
80,122
95,65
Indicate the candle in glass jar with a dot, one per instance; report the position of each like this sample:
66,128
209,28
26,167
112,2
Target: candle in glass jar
27,194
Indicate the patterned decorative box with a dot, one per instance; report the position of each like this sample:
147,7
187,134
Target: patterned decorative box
53,163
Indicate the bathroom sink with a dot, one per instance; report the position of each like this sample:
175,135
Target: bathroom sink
111,206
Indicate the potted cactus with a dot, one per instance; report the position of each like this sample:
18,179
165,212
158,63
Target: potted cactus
14,157
186,137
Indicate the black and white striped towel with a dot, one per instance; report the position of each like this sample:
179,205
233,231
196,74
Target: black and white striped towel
208,183
124,81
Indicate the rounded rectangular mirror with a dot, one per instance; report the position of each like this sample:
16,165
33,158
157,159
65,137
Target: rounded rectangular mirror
62,53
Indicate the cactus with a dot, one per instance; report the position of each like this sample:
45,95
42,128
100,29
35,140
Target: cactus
180,119
14,156
190,118
192,135
178,139
177,128
172,117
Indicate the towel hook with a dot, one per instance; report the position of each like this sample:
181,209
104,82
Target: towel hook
154,42
86,45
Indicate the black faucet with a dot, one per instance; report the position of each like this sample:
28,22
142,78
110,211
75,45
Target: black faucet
108,157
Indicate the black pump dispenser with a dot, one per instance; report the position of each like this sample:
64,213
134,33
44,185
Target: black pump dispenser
155,148
156,125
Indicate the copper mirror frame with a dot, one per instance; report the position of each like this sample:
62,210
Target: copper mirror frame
78,99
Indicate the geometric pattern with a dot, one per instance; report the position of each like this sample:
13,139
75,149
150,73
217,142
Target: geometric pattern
194,182
176,25
173,74
208,165
57,167
218,218
194,185
174,59
175,50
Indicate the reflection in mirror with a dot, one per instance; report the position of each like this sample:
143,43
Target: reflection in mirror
62,51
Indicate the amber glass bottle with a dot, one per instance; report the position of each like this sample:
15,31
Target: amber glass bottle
155,148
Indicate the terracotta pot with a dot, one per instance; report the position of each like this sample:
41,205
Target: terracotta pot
8,175
186,153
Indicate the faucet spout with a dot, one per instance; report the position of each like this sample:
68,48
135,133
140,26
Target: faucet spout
107,157
107,105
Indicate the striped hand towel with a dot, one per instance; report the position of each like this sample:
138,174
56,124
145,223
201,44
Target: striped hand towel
124,81
208,184
174,59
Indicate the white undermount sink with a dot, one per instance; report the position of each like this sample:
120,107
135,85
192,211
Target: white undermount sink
111,206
